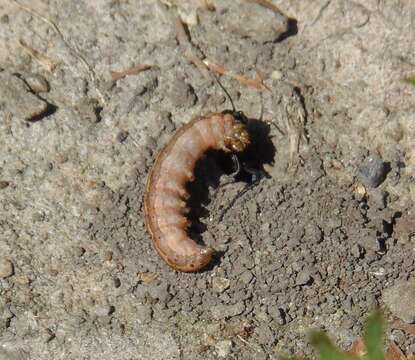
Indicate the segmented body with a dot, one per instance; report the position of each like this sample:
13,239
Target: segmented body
164,203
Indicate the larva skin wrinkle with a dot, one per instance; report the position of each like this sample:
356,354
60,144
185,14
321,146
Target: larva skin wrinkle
164,203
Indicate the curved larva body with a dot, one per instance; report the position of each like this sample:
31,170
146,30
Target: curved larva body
164,202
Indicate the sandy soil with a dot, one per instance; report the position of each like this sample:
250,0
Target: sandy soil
314,244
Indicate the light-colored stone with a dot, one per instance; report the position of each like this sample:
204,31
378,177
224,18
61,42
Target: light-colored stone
220,284
17,98
227,311
6,268
223,348
400,299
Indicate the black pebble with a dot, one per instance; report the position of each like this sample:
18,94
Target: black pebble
122,136
373,171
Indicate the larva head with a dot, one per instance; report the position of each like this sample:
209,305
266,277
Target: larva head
237,137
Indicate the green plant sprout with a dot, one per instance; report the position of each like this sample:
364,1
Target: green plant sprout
410,80
372,338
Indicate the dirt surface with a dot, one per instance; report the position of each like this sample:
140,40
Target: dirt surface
315,244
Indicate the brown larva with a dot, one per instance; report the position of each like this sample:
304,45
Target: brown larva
164,203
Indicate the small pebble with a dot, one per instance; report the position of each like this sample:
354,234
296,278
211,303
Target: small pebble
147,277
400,299
117,282
373,171
181,94
357,251
242,18
107,256
278,314
223,348
79,251
5,19
22,280
227,311
4,184
265,336
304,277
122,136
404,230
6,268
348,303
18,99
378,198
161,293
276,75
104,310
5,316
220,284
262,316
360,192
246,277
144,313
397,336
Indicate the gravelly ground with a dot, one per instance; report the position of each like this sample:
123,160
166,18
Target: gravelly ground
311,246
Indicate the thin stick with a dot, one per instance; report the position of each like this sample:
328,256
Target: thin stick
134,70
255,83
186,44
41,58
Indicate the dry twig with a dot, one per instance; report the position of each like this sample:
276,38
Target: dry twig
134,70
41,58
205,65
408,328
255,83
394,353
186,44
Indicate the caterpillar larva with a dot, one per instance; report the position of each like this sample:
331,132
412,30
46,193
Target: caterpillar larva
165,196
